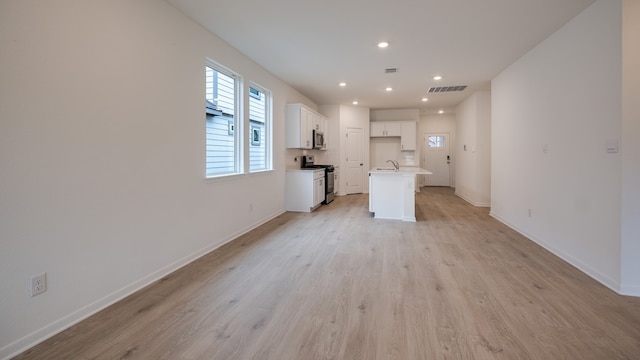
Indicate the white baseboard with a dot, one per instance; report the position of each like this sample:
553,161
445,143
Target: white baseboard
470,201
588,270
630,290
75,317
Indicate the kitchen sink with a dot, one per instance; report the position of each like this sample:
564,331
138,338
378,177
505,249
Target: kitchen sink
386,169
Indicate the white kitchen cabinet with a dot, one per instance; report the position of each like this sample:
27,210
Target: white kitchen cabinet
385,128
305,189
300,123
318,190
376,129
408,136
324,127
317,122
392,193
405,130
299,127
320,124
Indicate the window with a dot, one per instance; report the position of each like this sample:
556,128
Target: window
436,141
259,129
222,120
230,137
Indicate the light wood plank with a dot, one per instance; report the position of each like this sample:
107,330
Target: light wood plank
338,284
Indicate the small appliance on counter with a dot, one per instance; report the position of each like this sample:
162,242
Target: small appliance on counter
308,162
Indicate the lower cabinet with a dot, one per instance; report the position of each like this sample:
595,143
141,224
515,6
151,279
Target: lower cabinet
305,190
318,190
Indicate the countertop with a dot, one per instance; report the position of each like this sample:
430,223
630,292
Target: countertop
298,169
404,170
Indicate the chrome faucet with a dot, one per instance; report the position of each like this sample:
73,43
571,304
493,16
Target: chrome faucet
395,164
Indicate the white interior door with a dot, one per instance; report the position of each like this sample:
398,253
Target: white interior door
437,159
355,161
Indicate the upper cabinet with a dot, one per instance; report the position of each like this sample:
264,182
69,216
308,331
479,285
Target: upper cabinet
319,123
385,128
408,136
301,121
405,130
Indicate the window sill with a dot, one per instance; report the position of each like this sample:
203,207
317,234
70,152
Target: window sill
229,177
258,172
221,178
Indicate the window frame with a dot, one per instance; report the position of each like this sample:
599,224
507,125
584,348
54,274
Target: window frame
268,127
237,127
438,141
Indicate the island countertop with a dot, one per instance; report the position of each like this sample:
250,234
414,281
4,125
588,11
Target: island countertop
404,170
392,192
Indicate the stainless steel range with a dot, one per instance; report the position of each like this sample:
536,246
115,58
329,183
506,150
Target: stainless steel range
308,162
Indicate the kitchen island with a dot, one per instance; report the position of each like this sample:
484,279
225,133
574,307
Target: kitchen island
392,192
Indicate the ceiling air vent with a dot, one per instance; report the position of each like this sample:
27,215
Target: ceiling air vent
390,70
439,89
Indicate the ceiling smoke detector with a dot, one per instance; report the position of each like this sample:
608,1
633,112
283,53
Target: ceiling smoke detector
439,89
390,70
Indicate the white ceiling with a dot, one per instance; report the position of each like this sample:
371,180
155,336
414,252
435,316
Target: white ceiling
314,45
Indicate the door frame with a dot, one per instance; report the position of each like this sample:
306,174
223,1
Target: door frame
363,162
425,136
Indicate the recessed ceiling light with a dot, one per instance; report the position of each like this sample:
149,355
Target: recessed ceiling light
343,84
437,77
383,44
389,89
355,103
440,111
425,99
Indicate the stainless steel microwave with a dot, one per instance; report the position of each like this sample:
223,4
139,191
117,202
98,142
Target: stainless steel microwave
318,140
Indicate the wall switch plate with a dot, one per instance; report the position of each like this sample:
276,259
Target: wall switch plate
612,146
38,284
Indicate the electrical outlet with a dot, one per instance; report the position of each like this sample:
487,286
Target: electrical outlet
38,284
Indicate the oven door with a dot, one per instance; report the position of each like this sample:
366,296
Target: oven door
329,182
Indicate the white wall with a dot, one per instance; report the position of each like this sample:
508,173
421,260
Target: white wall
395,115
473,149
553,112
630,246
440,123
102,156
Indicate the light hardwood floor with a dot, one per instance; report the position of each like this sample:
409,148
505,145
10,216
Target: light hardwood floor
338,284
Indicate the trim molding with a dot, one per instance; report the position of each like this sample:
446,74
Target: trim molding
474,203
56,327
630,290
598,276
